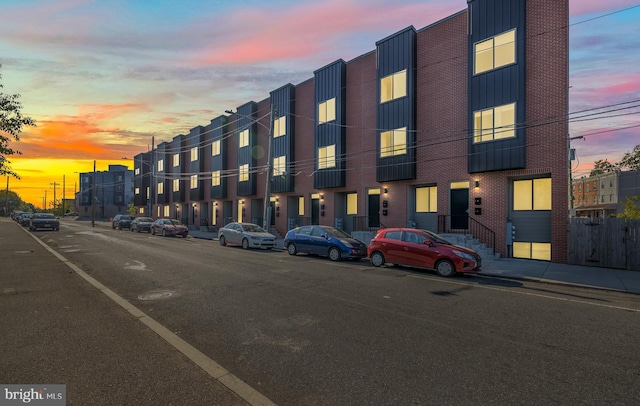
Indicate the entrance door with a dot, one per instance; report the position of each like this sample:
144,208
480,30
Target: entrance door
315,211
374,209
459,198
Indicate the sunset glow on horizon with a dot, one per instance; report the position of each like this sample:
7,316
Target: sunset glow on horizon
102,79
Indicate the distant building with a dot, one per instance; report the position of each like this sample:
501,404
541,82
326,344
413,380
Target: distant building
112,194
604,195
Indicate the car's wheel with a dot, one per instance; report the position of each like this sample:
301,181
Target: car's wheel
113,226
377,259
444,267
222,241
164,233
153,231
334,254
291,249
245,244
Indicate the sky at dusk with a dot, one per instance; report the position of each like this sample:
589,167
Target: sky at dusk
101,77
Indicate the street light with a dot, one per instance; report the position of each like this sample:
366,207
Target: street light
267,189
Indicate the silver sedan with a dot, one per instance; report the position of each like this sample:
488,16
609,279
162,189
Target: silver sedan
248,235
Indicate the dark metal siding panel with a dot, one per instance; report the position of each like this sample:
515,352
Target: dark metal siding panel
498,87
247,119
142,163
195,140
532,226
181,147
219,132
330,82
159,177
283,103
395,54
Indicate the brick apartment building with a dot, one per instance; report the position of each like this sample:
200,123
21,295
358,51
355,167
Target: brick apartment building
604,195
450,127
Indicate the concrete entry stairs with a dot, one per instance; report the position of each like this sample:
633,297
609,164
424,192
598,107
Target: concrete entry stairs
467,240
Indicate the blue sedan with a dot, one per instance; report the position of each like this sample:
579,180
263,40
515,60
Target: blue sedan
324,240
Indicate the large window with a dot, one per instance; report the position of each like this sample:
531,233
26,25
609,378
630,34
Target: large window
160,188
243,138
352,203
279,165
393,142
137,191
495,52
243,176
215,178
176,185
327,157
327,111
194,154
494,123
393,86
193,181
279,127
176,160
427,199
301,206
532,250
532,194
215,148
161,165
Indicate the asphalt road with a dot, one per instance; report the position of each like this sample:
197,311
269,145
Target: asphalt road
307,331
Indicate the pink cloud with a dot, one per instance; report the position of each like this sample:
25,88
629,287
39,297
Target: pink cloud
318,27
582,7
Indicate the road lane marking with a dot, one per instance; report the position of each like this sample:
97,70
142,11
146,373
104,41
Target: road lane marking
215,370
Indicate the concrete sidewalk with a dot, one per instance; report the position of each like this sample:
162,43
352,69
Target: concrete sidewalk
61,326
540,271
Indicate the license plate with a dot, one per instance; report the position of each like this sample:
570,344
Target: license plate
47,225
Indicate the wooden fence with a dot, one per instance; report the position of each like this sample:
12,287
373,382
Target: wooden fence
605,242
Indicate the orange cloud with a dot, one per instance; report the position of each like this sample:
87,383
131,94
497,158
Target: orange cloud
93,133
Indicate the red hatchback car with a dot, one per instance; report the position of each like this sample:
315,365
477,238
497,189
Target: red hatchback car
421,248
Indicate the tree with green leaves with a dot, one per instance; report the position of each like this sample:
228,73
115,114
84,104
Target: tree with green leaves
631,208
602,166
11,123
631,160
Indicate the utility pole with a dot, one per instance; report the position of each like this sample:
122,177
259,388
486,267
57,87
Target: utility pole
266,222
153,177
54,195
93,196
63,192
6,200
44,201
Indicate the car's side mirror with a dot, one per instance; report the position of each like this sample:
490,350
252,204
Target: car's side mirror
325,236
429,243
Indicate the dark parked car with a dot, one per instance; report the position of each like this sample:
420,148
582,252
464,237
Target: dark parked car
248,235
44,221
324,240
169,227
121,221
140,224
15,215
25,219
421,248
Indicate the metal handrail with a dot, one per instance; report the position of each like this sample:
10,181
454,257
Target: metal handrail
478,230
